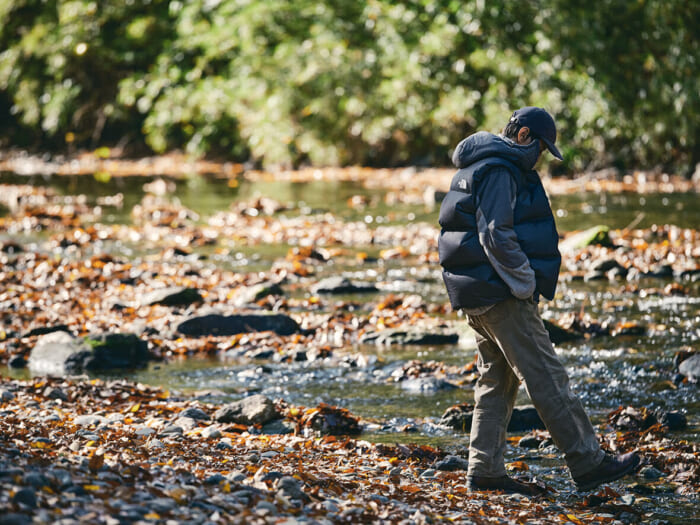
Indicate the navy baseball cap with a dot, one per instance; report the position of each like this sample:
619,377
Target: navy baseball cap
541,125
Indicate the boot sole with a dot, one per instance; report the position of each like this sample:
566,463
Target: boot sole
582,487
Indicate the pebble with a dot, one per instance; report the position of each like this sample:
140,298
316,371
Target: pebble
88,420
267,506
6,395
145,431
211,432
156,443
25,496
628,499
171,429
428,473
269,454
35,479
55,393
214,479
291,488
223,445
195,413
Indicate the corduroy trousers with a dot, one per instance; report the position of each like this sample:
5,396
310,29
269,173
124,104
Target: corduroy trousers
513,346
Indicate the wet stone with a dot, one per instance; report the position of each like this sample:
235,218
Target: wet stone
216,324
651,473
397,336
426,385
17,361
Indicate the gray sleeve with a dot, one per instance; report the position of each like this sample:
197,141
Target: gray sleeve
494,217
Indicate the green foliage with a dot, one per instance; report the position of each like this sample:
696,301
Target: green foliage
331,82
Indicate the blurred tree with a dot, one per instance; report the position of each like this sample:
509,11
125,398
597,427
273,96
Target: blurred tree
374,82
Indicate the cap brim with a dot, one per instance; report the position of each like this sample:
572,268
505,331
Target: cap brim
552,149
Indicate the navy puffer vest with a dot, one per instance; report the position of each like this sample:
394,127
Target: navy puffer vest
470,279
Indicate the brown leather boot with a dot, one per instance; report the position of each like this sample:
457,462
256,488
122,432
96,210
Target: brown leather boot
504,484
611,468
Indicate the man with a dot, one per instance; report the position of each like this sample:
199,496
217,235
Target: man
498,249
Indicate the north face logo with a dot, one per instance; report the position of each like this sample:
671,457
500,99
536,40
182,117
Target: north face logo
462,184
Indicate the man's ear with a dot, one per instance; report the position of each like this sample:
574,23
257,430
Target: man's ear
523,133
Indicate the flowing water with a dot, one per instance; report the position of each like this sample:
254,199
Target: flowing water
606,372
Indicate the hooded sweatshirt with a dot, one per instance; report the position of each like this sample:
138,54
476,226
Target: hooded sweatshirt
498,235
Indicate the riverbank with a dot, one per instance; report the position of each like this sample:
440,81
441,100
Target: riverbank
120,452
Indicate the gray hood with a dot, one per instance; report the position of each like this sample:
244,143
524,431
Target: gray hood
483,144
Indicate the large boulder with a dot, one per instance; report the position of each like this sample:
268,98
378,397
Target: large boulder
248,411
217,324
396,336
59,353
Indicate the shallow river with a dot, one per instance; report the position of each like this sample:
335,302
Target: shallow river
606,372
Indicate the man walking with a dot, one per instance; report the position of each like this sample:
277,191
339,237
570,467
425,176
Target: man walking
498,249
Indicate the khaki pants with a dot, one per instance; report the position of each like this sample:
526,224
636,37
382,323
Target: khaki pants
513,345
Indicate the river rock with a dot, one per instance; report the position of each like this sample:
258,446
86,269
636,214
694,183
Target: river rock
43,330
458,417
291,488
57,354
17,361
252,294
60,353
278,426
426,385
690,368
195,413
408,337
25,496
172,296
216,324
452,463
673,420
340,285
525,418
558,335
248,411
